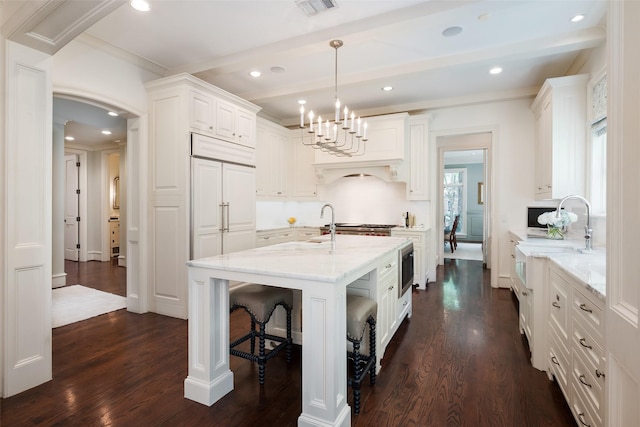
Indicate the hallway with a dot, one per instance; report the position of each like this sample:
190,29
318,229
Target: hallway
459,361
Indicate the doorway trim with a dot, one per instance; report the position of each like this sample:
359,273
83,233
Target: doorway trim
83,185
489,202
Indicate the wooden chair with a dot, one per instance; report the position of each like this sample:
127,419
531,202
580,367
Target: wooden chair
361,312
451,235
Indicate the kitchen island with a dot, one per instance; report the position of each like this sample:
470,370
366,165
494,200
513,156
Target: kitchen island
322,272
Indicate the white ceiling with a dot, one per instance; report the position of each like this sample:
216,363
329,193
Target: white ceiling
395,43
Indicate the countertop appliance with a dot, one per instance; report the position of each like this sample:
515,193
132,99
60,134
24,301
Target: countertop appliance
360,229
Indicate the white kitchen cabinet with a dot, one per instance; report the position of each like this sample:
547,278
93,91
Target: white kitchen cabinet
202,106
178,106
417,157
235,124
273,237
304,180
387,282
273,161
306,233
386,142
576,343
560,112
420,237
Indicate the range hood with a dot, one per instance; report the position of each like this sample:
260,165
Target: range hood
386,170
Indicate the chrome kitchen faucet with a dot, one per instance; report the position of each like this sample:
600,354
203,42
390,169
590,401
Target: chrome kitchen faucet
332,226
588,232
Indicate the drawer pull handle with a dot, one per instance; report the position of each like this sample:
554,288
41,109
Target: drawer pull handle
555,304
584,308
581,418
584,381
554,360
524,293
407,302
599,373
388,266
391,287
583,343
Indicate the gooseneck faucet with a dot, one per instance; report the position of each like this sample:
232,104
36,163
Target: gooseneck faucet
332,226
588,232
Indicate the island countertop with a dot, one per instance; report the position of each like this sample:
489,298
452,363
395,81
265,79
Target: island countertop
309,260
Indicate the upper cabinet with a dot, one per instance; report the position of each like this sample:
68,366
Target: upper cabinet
560,122
212,114
418,151
386,142
273,160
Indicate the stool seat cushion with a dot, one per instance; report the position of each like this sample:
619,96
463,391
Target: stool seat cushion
358,311
260,300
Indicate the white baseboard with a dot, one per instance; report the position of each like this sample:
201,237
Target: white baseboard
59,280
122,261
94,256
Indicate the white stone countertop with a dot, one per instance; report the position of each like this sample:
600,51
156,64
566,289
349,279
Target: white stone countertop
309,260
588,268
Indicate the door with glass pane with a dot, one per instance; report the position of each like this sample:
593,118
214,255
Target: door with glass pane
455,202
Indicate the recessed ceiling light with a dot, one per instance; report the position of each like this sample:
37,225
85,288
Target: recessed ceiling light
495,70
69,138
452,31
106,132
577,18
387,88
302,101
112,114
140,5
255,73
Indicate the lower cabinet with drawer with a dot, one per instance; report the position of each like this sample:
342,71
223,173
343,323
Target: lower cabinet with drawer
576,356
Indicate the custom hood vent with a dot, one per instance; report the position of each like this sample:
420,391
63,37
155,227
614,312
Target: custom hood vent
387,171
313,7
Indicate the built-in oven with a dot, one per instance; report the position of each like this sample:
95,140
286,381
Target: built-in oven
405,273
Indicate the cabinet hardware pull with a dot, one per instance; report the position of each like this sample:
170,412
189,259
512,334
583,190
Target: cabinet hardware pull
407,302
391,287
554,360
524,293
388,266
583,343
584,381
555,304
583,307
581,417
513,256
599,373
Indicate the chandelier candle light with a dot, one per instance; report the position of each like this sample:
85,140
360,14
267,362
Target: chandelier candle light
340,138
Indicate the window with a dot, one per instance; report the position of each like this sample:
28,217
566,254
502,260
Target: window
455,198
598,168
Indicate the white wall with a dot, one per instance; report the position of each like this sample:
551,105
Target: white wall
513,165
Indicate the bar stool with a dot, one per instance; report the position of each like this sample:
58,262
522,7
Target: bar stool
361,311
260,302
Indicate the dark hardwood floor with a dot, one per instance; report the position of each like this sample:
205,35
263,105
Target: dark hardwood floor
459,361
104,276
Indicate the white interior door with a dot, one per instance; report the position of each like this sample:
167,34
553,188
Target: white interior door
71,208
27,226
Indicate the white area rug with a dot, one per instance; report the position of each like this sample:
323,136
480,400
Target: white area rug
74,303
470,251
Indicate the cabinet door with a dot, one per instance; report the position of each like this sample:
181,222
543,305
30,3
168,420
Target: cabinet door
201,112
304,173
206,201
418,183
225,120
238,192
245,123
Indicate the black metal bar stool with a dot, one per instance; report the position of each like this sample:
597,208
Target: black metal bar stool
260,302
361,311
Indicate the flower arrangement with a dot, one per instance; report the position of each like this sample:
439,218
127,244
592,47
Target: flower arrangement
556,224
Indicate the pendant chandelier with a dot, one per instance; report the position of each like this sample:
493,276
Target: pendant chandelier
345,136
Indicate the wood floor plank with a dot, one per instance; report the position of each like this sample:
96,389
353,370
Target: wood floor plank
459,361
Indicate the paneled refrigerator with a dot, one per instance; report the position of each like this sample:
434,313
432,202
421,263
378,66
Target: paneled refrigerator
223,204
